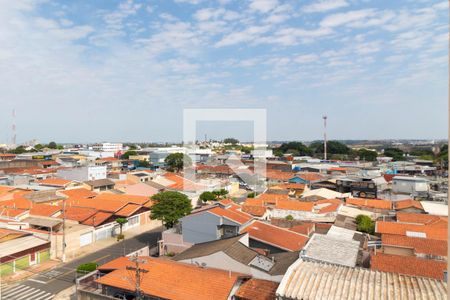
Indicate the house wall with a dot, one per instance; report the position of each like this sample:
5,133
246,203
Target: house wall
409,186
83,173
200,227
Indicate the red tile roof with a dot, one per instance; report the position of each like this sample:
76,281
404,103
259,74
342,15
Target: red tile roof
11,212
79,214
289,186
372,203
276,236
294,205
408,265
409,203
79,193
272,198
254,210
328,209
168,279
257,289
238,217
45,210
421,219
54,182
182,184
420,245
279,175
305,228
128,210
97,219
432,232
123,198
310,176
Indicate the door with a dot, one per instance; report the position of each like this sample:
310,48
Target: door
85,239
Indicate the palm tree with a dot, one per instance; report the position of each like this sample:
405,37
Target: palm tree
121,222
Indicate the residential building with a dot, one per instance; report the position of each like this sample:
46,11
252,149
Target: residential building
83,173
108,147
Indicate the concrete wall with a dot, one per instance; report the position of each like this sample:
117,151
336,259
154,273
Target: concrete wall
87,295
200,227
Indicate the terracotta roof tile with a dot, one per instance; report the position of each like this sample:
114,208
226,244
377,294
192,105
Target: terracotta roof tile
168,279
310,176
240,218
79,193
97,219
272,198
257,211
79,214
372,203
294,205
421,219
408,265
12,212
128,210
279,237
54,182
328,209
123,198
279,175
289,186
420,245
305,228
257,289
432,232
409,203
45,210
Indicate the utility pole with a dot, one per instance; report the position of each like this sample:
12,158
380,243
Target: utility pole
64,232
324,137
138,272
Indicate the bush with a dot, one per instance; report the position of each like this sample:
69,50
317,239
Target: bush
207,196
251,195
289,218
365,224
87,267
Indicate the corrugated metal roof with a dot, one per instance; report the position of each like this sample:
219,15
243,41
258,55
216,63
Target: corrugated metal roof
311,280
20,244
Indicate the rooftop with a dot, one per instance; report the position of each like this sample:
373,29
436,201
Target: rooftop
312,280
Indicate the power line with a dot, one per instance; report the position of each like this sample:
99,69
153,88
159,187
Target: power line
138,272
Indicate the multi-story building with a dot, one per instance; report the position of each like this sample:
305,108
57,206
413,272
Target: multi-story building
83,173
108,147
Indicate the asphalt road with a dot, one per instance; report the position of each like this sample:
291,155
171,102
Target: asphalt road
46,285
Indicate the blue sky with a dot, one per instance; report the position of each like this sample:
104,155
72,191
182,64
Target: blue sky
82,71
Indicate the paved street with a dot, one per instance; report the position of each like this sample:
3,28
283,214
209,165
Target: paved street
46,285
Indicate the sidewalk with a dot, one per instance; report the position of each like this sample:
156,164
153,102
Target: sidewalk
98,245
30,271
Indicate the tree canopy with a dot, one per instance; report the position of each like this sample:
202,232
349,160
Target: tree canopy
52,145
127,154
169,207
176,161
365,224
333,147
207,196
232,141
395,153
367,155
296,148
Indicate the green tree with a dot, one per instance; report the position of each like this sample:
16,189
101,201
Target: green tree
367,155
251,195
176,161
395,153
220,193
207,196
169,207
132,147
127,154
52,145
38,147
232,141
297,147
121,222
365,224
333,147
289,218
19,150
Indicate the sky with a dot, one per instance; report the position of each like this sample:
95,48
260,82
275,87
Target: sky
104,70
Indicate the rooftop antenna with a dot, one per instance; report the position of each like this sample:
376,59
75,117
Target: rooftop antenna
13,140
324,137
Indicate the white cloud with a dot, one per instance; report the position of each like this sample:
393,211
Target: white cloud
324,6
347,17
263,6
306,58
244,36
193,2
